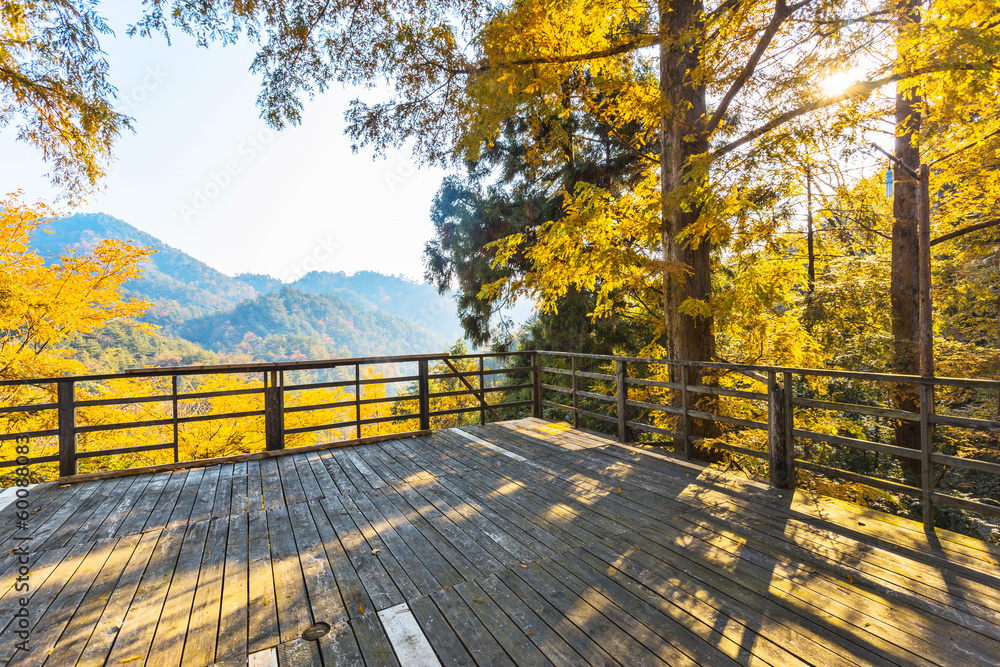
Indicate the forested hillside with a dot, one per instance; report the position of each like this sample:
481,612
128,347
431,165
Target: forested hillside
177,284
206,316
290,324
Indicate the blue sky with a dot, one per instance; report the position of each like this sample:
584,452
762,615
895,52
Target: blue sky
206,175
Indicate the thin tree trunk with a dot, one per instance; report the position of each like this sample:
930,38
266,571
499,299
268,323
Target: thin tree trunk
905,282
682,136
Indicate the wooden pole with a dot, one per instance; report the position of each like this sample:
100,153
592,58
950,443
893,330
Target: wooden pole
621,392
789,426
926,473
423,394
357,401
809,230
173,384
924,244
685,406
536,390
576,403
67,428
482,393
274,420
777,445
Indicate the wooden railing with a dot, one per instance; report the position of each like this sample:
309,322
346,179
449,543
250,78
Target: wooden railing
274,388
625,393
783,400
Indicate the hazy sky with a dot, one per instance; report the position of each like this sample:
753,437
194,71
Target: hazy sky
206,175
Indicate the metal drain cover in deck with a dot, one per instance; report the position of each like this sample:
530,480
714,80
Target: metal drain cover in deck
314,632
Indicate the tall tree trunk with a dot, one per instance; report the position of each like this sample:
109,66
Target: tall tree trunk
904,289
682,136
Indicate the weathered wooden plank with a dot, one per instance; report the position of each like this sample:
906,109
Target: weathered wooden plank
352,591
554,647
380,530
519,647
233,619
477,639
380,586
255,493
294,615
79,630
441,570
262,613
62,535
204,500
337,473
290,484
167,646
455,557
224,491
270,482
135,510
325,601
443,639
240,493
203,629
375,646
160,512
613,638
67,513
185,503
406,637
307,478
53,602
137,628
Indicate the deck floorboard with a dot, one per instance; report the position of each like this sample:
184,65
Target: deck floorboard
518,543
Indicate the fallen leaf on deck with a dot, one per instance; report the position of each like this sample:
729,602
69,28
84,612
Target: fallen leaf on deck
134,657
375,551
361,608
850,579
528,634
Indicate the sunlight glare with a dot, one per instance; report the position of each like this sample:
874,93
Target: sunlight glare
837,83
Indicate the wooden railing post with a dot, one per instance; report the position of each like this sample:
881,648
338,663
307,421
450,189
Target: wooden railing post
685,420
621,392
173,385
357,401
274,418
789,391
926,472
777,445
536,389
576,402
482,392
424,394
67,428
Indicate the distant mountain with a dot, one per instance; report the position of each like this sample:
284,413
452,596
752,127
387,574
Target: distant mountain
256,316
179,285
292,324
418,302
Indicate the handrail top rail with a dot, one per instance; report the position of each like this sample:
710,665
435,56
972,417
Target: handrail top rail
820,372
259,367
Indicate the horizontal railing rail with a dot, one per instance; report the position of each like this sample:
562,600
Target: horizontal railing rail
272,391
621,392
778,416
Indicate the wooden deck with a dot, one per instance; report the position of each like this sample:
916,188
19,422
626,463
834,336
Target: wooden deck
527,544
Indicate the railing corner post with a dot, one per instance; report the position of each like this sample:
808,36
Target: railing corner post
274,418
424,394
779,474
66,401
621,392
926,473
536,389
